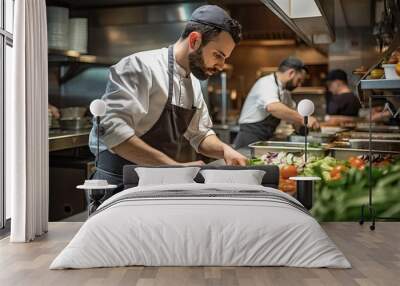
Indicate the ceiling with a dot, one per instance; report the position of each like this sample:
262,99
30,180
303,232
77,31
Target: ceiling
112,3
257,20
345,16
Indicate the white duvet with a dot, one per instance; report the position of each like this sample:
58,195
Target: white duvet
188,231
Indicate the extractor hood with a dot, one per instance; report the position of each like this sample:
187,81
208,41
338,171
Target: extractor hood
311,20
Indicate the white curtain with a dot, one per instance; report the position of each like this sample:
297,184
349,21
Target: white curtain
27,124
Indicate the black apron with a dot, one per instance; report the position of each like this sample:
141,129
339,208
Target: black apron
257,131
166,135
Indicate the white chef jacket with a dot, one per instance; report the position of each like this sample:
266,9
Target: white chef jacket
136,94
265,91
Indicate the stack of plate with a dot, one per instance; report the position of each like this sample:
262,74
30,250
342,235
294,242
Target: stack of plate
57,27
78,34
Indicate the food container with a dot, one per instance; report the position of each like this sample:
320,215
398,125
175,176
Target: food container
73,112
390,71
74,123
364,127
345,153
313,137
375,135
332,130
262,147
381,145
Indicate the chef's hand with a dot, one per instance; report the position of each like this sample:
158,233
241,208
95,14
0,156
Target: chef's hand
233,157
313,123
380,116
194,163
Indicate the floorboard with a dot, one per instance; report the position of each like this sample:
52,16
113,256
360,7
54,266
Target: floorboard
375,257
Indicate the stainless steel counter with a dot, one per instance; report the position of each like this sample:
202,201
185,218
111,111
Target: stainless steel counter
226,132
67,139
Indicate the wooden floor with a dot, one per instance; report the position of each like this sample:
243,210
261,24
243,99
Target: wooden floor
375,257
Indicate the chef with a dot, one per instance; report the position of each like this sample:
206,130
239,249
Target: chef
342,104
154,100
269,102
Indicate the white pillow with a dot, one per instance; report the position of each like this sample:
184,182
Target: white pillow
166,176
247,177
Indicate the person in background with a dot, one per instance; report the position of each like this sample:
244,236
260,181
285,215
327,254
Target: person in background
342,104
154,100
54,111
388,113
269,101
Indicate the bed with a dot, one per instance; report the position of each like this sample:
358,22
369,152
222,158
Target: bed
198,224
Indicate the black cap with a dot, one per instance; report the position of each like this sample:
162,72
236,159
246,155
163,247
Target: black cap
212,15
337,74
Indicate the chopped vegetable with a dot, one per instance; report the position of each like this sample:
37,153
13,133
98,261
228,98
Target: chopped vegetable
357,163
341,199
344,185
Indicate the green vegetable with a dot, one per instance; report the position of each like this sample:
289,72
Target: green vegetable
341,200
314,145
256,162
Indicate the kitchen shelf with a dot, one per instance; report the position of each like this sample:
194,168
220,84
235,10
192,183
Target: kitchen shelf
70,56
309,90
380,84
62,139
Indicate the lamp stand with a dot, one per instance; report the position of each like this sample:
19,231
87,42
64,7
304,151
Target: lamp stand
98,138
305,138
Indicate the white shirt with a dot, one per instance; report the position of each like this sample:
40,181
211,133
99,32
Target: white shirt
265,91
136,94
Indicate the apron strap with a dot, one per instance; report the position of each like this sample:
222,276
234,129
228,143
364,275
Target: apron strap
170,73
279,90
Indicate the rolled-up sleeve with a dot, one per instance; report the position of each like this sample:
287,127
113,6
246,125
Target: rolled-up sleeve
267,93
127,99
200,126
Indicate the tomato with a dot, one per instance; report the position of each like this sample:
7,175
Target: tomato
340,168
335,176
336,172
286,185
351,158
357,163
288,171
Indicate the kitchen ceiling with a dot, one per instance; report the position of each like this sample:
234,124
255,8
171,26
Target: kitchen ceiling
258,22
345,18
110,3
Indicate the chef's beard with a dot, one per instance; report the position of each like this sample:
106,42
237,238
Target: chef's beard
290,86
197,66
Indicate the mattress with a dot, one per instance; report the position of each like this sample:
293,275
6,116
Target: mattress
201,225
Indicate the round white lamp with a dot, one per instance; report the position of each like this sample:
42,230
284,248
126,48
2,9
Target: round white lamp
305,109
98,107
